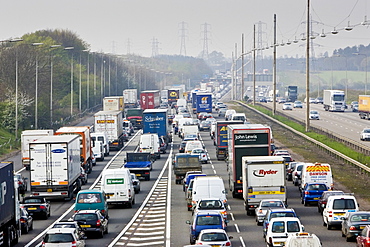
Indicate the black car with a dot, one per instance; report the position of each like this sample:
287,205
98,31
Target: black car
36,206
26,221
91,221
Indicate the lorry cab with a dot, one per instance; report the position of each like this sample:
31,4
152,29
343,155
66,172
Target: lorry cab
91,200
150,143
118,186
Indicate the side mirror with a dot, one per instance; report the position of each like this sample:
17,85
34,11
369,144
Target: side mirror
188,222
226,221
302,228
231,237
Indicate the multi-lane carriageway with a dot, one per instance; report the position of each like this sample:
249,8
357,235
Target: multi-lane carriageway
159,215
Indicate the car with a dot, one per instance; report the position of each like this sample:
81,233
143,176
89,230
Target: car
170,118
297,174
264,205
273,148
363,239
62,237
314,115
205,125
200,115
355,108
188,177
190,137
22,183
83,176
311,192
163,106
319,100
186,114
203,156
26,221
302,239
221,112
135,182
297,104
125,135
365,134
213,237
287,106
182,147
324,198
281,100
91,221
205,220
263,100
276,213
310,100
289,171
354,103
353,223
70,224
279,228
206,116
336,207
277,152
36,206
195,121
211,204
162,145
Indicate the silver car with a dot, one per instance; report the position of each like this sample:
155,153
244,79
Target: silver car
135,183
264,205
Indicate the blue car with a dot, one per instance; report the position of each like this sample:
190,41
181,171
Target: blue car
205,220
312,192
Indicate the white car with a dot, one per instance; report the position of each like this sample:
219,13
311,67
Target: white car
297,104
365,134
287,106
63,237
211,204
314,115
264,205
279,228
213,237
203,157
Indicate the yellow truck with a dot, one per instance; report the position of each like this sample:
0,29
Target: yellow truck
364,106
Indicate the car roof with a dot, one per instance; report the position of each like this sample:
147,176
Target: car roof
342,197
284,219
60,230
283,210
208,212
88,211
213,230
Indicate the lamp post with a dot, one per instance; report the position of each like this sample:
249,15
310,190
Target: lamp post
71,48
51,84
36,86
361,54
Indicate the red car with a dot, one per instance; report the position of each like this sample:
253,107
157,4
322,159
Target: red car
363,240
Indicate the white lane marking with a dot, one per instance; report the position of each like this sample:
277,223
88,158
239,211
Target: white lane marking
168,216
228,207
237,228
232,216
242,241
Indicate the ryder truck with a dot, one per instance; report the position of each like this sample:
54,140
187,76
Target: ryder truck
263,178
245,140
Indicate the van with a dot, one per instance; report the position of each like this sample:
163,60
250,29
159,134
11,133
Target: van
150,143
181,103
238,117
98,150
316,173
181,125
91,200
336,207
190,145
127,125
279,228
302,239
118,186
228,114
208,187
101,136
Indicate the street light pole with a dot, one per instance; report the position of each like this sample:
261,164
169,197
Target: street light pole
36,86
51,85
71,48
16,88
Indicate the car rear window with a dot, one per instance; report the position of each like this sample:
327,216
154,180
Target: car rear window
214,237
282,214
344,204
208,220
58,238
86,217
316,187
360,218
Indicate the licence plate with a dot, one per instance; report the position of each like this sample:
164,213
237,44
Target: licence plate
279,243
362,227
49,190
32,208
85,226
215,245
138,175
338,213
316,198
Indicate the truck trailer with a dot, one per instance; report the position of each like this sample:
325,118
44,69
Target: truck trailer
334,100
130,98
111,123
150,99
204,102
113,103
364,106
220,139
55,166
263,178
245,140
155,121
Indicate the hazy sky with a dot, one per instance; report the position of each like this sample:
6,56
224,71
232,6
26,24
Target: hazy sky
107,25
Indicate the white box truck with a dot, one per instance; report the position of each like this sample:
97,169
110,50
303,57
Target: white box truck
28,136
130,98
334,100
113,103
263,178
55,166
110,122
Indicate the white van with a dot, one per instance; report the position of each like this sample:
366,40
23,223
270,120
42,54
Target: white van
238,117
181,103
176,120
336,208
150,143
316,173
101,136
118,186
98,150
190,145
208,187
191,130
182,123
302,239
228,114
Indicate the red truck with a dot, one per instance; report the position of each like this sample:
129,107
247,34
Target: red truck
150,99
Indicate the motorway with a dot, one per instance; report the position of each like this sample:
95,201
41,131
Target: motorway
243,228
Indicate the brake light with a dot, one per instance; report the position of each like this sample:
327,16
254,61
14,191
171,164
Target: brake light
352,228
228,244
74,244
43,244
42,207
306,192
129,193
98,223
22,220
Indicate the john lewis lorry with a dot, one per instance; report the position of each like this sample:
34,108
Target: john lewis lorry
263,178
55,166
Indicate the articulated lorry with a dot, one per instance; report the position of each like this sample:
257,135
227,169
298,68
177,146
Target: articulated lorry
245,140
139,163
150,99
334,100
292,93
55,166
263,178
204,102
220,140
130,98
10,225
155,121
28,136
135,116
85,143
364,106
111,123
